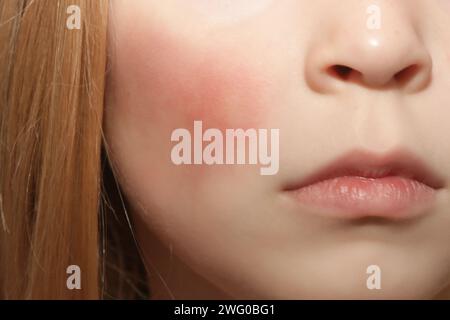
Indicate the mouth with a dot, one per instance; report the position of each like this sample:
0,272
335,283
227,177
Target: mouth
361,184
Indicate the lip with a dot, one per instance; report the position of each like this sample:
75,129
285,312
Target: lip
397,185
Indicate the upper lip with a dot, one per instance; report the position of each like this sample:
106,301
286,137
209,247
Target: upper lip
374,165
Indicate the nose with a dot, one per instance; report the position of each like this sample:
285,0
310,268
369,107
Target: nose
391,55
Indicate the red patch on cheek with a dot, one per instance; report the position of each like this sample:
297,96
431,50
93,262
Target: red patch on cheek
174,82
182,82
224,99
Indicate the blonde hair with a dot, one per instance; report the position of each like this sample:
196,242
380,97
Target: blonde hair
51,106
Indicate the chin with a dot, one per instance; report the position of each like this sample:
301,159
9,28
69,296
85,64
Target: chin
345,275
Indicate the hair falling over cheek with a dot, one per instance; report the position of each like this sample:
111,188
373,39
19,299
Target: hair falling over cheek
51,93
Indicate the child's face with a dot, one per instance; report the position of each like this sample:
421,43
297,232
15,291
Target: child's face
274,64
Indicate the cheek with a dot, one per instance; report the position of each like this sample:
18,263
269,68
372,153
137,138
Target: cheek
163,82
223,95
177,81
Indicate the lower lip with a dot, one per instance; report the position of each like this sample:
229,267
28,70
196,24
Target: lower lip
390,197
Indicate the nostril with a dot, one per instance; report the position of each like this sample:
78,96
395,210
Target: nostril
402,77
340,71
406,74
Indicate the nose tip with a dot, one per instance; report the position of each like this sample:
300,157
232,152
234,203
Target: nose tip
394,58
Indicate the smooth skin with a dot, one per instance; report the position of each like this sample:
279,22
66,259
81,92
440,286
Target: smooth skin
229,232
